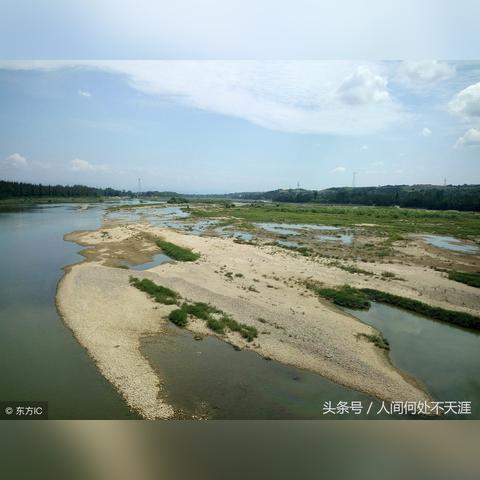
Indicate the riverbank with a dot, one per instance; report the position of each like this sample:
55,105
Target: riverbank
261,286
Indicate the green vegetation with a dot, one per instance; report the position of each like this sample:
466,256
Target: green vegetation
469,278
157,292
29,192
391,223
178,317
448,197
177,253
350,268
217,321
344,296
378,339
177,200
359,299
451,316
388,275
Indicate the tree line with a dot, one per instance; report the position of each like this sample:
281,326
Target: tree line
22,189
432,197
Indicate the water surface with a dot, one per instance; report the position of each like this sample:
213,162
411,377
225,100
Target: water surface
450,243
442,356
209,378
39,357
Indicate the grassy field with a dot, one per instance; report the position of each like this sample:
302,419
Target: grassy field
391,221
469,278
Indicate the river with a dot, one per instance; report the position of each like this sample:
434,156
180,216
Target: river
41,360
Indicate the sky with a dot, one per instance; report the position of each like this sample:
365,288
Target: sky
223,126
240,29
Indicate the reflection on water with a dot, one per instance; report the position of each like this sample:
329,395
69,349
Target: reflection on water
210,378
450,243
442,356
41,360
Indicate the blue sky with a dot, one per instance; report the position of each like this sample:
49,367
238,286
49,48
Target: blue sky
221,126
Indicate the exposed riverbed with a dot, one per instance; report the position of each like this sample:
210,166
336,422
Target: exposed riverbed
41,359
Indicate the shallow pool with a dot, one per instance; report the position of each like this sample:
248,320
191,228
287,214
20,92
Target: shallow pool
450,243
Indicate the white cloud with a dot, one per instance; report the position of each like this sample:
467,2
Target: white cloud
364,147
471,138
378,164
339,170
426,132
84,93
417,74
313,97
79,165
15,161
363,87
467,102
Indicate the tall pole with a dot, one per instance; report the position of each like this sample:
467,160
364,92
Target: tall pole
139,189
353,181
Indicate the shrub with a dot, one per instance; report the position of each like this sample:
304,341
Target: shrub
388,275
157,292
344,296
177,253
176,200
216,325
451,316
472,279
178,317
379,340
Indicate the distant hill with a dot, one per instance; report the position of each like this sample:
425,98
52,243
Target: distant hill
449,197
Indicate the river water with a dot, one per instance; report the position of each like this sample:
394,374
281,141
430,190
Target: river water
39,357
41,360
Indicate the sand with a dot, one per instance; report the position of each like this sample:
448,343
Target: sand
109,317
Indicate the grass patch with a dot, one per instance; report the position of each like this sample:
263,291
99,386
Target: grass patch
472,278
378,340
344,296
217,321
359,299
451,316
177,253
157,292
388,275
350,268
